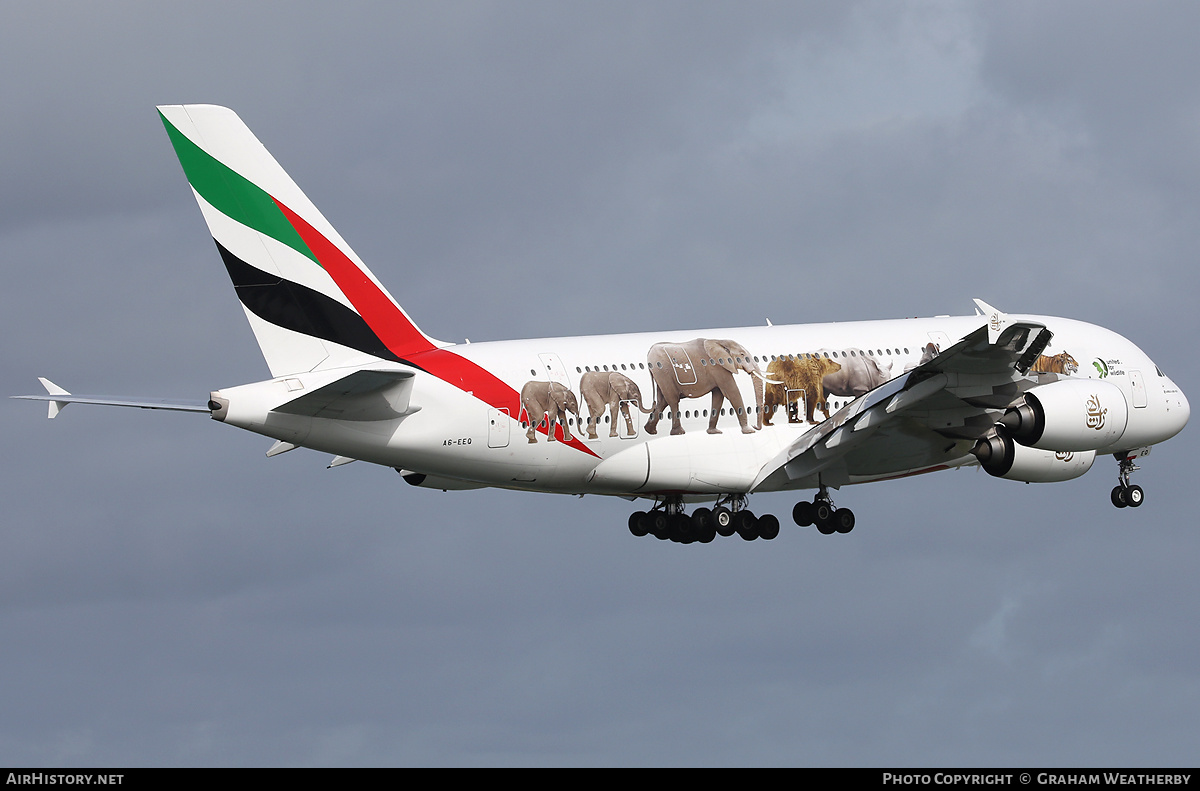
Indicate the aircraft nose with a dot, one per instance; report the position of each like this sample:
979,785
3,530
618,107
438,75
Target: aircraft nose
1178,409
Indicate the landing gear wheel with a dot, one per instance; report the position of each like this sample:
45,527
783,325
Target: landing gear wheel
768,527
843,520
822,512
826,527
1127,494
659,525
639,524
747,525
1118,497
681,529
802,513
703,526
723,519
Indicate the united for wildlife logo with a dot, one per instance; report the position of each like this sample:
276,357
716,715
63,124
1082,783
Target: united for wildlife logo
1101,367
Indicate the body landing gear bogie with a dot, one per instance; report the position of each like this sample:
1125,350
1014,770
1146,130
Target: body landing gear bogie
668,521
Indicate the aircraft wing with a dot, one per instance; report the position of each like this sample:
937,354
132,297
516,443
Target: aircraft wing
59,398
928,418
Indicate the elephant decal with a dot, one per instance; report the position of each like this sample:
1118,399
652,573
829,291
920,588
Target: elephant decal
548,401
859,373
614,391
698,367
791,376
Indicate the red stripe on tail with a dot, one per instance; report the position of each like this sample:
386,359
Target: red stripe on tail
397,331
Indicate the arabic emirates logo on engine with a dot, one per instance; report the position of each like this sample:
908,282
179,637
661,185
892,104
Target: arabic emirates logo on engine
1095,413
1064,455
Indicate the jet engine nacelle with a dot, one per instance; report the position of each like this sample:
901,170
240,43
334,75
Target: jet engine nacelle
1069,415
1003,458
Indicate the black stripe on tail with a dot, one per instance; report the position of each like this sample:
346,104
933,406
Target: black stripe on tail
301,309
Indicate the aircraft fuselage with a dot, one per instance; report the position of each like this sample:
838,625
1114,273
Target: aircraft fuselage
481,437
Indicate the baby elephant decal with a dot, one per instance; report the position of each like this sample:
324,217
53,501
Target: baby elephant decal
793,376
548,401
613,390
698,367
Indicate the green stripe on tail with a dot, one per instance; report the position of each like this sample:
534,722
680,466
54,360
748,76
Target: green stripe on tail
233,194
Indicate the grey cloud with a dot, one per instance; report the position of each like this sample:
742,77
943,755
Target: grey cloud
170,596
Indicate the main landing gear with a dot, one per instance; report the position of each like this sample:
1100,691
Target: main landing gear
1127,494
668,522
822,512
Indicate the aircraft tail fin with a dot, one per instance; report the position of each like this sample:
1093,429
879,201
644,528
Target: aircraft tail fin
310,300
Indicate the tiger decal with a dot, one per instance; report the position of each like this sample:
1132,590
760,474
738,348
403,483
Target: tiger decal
1061,363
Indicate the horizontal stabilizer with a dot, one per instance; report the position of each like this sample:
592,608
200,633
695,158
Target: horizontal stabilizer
59,398
363,395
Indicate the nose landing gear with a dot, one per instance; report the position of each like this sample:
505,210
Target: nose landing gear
1127,494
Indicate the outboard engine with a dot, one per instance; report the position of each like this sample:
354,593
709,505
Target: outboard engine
1003,458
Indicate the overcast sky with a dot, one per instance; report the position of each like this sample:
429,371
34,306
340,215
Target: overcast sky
170,596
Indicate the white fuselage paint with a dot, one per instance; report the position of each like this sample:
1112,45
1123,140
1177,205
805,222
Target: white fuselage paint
454,434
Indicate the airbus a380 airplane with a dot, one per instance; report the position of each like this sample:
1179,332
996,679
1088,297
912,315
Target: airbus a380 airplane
732,412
